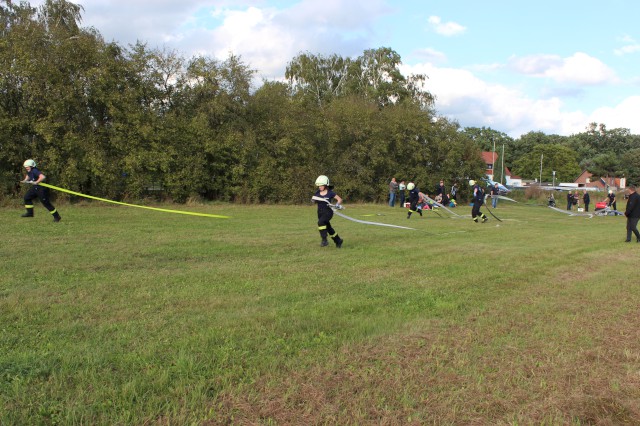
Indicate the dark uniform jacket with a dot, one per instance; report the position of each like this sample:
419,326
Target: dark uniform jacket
633,206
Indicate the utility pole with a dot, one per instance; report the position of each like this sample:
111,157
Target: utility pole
493,161
502,170
541,157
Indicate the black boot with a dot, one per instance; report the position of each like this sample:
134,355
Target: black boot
29,213
337,240
324,242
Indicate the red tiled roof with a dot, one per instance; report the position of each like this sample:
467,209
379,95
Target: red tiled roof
583,177
489,157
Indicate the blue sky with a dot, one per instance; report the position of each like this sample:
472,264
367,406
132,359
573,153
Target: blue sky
550,66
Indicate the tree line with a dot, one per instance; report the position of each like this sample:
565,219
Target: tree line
601,151
116,121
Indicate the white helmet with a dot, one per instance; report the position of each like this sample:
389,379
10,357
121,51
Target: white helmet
322,180
472,182
411,185
29,163
611,191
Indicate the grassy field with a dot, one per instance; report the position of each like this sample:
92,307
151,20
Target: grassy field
119,315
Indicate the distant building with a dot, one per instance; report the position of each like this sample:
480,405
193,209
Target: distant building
604,183
490,159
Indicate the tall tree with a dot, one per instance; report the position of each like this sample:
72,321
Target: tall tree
632,166
552,157
318,78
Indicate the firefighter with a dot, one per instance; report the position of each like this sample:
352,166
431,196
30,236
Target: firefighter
414,198
325,212
34,177
478,201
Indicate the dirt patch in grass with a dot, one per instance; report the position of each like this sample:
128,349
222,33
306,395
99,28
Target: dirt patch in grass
556,355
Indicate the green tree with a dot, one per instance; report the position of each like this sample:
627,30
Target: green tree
318,78
604,164
487,138
554,157
632,166
375,76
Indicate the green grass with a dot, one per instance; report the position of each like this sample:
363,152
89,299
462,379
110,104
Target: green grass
119,315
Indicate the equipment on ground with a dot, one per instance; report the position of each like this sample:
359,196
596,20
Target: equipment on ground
132,205
337,207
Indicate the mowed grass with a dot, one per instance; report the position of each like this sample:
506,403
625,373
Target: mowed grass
119,315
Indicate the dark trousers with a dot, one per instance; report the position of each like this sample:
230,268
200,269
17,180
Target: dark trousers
475,211
324,224
42,194
586,207
632,226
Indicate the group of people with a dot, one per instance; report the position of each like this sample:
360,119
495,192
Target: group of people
397,191
573,199
441,196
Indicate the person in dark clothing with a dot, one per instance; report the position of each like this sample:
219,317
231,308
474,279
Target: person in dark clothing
454,192
325,212
34,177
414,199
586,200
440,189
478,201
445,199
441,194
495,191
611,202
632,212
569,200
402,188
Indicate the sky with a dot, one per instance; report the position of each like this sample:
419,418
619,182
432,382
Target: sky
513,66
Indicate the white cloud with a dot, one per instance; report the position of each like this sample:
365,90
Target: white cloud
579,68
631,48
463,97
620,115
445,28
430,55
252,34
268,38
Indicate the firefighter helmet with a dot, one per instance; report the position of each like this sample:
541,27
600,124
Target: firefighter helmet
322,180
